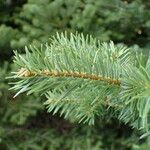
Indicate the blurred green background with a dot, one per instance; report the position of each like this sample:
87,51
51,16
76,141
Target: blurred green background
24,122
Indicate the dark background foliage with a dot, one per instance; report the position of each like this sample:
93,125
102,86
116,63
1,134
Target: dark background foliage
24,123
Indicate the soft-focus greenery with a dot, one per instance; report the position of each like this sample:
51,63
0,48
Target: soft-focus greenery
23,122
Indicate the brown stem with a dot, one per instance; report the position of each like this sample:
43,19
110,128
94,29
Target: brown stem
23,72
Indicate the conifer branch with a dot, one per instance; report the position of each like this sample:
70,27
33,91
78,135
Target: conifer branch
83,79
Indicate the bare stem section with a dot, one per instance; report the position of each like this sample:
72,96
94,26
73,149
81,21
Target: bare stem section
23,72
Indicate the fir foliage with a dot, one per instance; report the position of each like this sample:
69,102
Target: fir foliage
83,79
24,22
118,20
21,107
